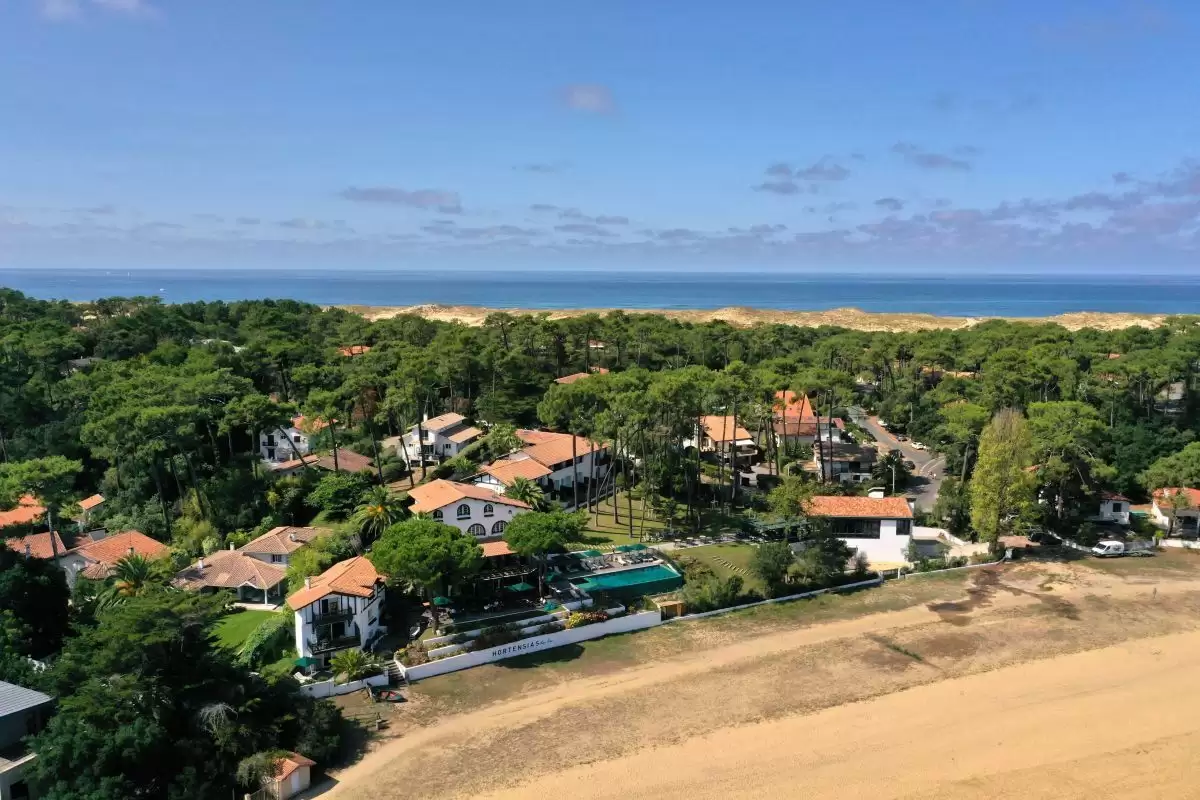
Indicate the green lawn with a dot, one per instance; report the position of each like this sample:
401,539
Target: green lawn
233,629
602,531
720,557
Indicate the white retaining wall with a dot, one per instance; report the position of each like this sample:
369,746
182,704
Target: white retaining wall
1186,544
331,689
625,624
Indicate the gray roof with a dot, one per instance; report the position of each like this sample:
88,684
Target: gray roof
14,699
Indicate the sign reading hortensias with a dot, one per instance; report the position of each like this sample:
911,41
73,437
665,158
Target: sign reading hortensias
526,646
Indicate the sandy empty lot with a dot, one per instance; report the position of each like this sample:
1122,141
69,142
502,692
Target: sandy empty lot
1024,682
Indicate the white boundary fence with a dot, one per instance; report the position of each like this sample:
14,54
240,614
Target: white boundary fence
625,624
331,689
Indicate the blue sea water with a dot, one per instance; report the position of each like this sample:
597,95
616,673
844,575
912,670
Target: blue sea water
1017,296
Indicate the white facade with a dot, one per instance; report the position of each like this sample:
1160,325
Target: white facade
337,622
561,476
886,545
438,439
273,447
1115,510
1187,520
482,519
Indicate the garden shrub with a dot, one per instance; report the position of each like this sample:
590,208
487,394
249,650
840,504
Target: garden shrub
413,655
581,618
267,642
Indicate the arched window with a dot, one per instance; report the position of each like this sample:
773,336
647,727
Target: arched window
488,510
498,527
437,515
477,530
464,511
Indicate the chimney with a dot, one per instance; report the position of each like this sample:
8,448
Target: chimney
292,537
199,563
231,545
308,583
130,549
28,551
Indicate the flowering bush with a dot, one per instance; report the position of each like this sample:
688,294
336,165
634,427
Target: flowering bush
581,618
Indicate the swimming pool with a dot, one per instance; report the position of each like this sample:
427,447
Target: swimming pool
654,579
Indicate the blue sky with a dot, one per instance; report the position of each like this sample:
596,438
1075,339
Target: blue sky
980,135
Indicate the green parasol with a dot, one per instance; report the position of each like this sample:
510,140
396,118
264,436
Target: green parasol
442,602
520,587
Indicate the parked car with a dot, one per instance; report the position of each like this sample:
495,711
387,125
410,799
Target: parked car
918,446
909,465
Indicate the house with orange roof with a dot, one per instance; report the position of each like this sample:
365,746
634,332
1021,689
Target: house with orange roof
277,545
474,509
723,436
27,511
1114,508
96,558
878,527
1177,511
436,439
552,460
293,774
89,506
565,379
291,441
250,580
338,609
37,545
354,350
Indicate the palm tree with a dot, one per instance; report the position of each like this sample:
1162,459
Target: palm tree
354,664
380,510
527,491
135,575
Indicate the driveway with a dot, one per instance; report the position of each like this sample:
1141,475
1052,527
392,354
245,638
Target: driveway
929,469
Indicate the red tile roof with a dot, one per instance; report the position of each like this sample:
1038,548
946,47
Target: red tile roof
88,503
289,764
1114,496
723,429
103,554
27,511
355,577
282,541
40,544
860,507
354,350
347,461
229,569
791,404
440,493
581,375
309,425
496,549
507,469
443,421
1193,496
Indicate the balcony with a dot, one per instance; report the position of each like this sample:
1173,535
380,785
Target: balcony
332,615
328,645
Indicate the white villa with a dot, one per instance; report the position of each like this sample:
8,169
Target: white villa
475,510
879,527
1114,508
847,463
444,437
1183,504
338,609
273,447
552,460
277,545
723,436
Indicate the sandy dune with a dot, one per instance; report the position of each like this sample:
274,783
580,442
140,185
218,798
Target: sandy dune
1115,722
1045,681
853,318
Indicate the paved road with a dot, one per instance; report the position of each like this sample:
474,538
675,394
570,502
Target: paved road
930,467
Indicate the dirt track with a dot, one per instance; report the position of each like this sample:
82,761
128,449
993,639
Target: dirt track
1036,683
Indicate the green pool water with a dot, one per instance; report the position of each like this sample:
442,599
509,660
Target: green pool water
633,582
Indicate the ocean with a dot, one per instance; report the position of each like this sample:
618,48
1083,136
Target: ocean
1018,296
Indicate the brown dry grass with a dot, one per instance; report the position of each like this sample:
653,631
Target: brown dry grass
1003,684
740,317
